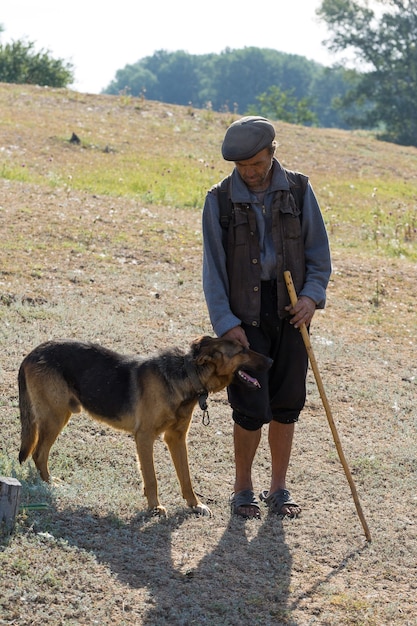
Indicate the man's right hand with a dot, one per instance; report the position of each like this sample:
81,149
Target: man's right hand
237,334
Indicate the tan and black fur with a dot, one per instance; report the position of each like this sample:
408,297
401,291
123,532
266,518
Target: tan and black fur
142,396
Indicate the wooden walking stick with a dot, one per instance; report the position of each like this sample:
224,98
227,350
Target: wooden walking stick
307,343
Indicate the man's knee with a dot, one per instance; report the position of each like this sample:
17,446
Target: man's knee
287,417
248,423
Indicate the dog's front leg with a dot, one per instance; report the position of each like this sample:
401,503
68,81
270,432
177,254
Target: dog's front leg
144,447
176,441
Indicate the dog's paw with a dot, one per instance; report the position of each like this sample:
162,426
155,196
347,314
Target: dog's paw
55,481
201,509
158,511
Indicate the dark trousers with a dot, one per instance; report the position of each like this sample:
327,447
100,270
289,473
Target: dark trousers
283,388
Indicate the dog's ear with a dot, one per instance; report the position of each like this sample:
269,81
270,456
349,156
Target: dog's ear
200,349
198,344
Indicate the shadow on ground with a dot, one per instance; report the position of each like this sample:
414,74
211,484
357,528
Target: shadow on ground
230,584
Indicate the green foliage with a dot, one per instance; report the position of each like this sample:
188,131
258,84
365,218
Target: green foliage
386,44
20,63
282,105
234,80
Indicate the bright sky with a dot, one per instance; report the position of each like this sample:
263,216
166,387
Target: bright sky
100,37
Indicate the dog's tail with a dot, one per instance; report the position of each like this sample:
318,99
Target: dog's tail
29,428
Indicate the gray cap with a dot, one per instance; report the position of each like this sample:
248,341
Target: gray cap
246,137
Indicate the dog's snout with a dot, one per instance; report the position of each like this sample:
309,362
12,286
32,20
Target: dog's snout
261,361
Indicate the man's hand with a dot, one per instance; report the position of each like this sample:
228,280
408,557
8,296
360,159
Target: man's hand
302,312
237,334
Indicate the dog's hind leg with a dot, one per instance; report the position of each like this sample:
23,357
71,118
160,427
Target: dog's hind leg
46,404
49,428
176,440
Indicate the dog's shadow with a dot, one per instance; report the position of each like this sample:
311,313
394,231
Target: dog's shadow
230,585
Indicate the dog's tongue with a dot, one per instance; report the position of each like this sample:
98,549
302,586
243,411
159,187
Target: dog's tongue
248,379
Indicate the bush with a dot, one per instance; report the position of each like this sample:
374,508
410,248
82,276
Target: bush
20,63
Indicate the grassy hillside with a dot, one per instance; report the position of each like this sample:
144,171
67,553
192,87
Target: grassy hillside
101,240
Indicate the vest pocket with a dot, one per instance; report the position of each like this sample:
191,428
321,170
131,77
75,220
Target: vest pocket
240,227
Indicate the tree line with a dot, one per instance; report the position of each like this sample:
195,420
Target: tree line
279,85
378,93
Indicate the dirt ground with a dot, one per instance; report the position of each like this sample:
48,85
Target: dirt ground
128,275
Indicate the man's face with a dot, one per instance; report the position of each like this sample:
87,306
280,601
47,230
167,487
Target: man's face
255,171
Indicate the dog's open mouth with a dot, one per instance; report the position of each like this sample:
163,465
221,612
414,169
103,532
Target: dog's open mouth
248,380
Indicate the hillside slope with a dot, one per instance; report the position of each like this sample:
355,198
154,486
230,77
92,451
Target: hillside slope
101,240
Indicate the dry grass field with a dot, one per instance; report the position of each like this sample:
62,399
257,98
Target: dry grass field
101,241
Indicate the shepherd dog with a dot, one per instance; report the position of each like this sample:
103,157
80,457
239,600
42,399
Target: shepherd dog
145,397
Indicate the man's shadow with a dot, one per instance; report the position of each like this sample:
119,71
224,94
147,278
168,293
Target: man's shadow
241,578
251,568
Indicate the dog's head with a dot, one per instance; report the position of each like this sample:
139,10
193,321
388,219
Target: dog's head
220,360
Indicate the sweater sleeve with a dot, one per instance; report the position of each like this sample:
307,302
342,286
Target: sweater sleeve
215,279
317,251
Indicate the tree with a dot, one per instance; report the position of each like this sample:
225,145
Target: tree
237,77
385,44
282,105
234,79
20,63
168,77
134,79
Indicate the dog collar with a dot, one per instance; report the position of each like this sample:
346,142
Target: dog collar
200,391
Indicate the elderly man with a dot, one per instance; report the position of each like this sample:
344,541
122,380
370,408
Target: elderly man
257,223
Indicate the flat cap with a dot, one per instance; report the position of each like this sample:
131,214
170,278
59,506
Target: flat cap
246,137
